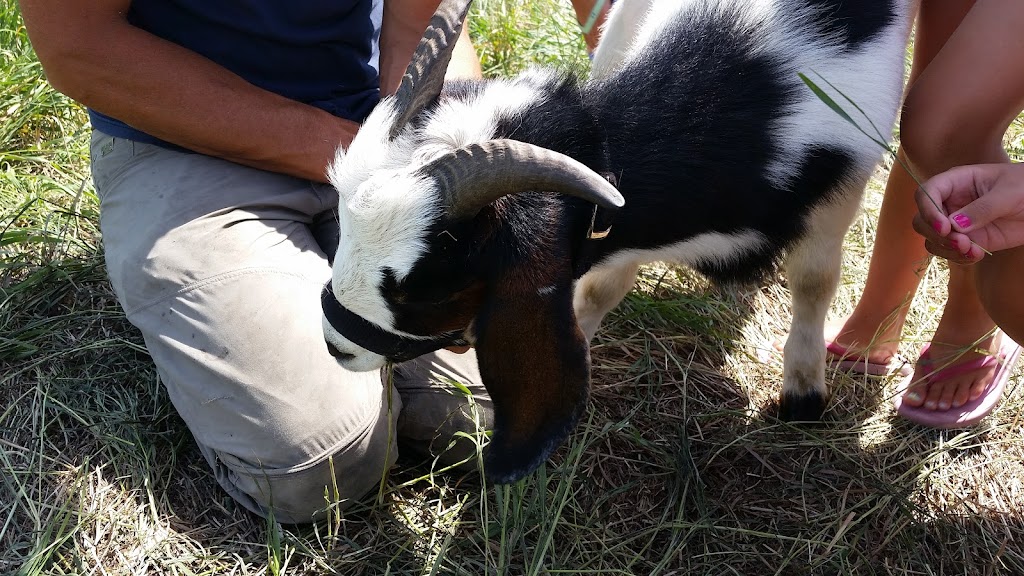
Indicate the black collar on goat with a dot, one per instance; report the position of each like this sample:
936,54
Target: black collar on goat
394,347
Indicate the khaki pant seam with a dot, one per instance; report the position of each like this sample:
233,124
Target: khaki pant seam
309,464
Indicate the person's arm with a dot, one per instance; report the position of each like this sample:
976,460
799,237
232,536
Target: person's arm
591,15
91,53
401,30
970,208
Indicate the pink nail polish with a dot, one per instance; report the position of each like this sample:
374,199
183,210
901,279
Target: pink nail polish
962,220
937,225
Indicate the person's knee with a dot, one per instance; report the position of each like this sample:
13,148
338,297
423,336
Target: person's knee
440,420
445,426
936,138
305,488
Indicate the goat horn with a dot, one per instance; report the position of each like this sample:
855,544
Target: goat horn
425,75
476,175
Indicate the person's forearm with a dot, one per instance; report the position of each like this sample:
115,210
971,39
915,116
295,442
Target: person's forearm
180,97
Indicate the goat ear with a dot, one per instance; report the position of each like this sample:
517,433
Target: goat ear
535,364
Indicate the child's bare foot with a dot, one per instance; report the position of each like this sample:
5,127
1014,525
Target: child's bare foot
958,369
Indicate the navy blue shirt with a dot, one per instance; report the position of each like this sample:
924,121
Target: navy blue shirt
323,53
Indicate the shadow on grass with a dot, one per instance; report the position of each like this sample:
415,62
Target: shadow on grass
698,467
678,467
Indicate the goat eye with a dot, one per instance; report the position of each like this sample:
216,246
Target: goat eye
389,287
394,294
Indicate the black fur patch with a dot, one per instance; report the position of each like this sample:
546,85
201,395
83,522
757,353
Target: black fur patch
854,21
697,163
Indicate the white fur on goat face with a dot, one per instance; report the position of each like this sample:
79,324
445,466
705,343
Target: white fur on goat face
382,226
373,168
386,206
384,210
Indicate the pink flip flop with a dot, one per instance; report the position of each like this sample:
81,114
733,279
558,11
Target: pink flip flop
974,410
840,358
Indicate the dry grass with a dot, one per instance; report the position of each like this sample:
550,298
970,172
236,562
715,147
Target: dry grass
679,467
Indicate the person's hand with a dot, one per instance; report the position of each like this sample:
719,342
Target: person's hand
970,209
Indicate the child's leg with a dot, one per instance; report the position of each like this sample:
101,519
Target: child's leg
998,283
956,113
899,256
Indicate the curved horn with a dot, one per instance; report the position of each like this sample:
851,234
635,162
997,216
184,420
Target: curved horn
476,175
425,75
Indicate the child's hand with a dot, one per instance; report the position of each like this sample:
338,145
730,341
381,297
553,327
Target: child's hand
967,210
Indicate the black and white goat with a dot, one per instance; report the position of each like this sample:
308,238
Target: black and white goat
471,213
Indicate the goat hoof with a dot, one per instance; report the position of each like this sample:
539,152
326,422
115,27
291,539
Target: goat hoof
802,407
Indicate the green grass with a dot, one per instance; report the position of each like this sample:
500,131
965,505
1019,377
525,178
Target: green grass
678,467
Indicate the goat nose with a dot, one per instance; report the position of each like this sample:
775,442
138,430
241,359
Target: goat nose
339,354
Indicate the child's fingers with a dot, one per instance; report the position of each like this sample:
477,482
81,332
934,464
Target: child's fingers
948,191
982,211
955,247
931,227
932,217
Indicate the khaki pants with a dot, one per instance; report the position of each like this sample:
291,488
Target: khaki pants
220,266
